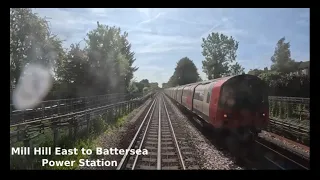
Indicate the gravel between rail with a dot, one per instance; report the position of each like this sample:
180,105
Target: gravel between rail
204,154
171,151
208,156
118,137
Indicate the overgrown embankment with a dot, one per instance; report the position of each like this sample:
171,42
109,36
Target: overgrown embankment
84,140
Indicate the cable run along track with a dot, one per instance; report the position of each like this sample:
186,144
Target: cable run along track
156,134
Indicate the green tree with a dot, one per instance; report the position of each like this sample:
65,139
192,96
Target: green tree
236,69
219,51
74,72
31,42
110,59
172,81
145,82
129,55
185,72
281,58
164,85
154,86
255,72
146,90
133,87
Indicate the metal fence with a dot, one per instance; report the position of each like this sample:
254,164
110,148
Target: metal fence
74,121
60,107
291,108
290,117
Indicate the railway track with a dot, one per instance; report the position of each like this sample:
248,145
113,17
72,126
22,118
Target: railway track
276,157
262,154
158,135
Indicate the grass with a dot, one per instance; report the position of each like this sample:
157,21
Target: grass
84,140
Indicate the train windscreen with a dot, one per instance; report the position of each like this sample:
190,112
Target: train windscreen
244,92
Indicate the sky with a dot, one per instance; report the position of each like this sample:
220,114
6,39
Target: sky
161,37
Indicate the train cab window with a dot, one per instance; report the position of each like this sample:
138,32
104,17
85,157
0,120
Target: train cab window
208,97
196,95
209,91
200,96
185,91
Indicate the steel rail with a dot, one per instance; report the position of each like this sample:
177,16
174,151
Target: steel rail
124,158
144,135
174,136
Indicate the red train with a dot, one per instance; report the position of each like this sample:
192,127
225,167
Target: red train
234,105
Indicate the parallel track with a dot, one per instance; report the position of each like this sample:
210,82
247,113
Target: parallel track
282,158
262,153
157,135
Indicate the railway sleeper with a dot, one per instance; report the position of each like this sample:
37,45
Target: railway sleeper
145,159
171,168
145,167
153,133
166,136
153,136
168,149
163,153
165,133
152,139
151,143
170,160
151,148
166,139
167,143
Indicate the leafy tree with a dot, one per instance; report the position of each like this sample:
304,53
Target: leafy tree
219,51
129,55
287,84
154,86
74,72
110,59
236,69
185,72
133,87
164,85
103,66
172,81
255,72
145,82
31,42
281,58
146,90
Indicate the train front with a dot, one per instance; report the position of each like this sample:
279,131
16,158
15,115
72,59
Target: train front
244,106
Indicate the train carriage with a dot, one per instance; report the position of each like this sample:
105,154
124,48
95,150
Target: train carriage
243,103
179,93
237,104
187,93
188,96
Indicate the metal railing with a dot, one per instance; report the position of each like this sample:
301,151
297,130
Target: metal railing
64,106
74,121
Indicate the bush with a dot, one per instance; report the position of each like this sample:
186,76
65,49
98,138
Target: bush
289,85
